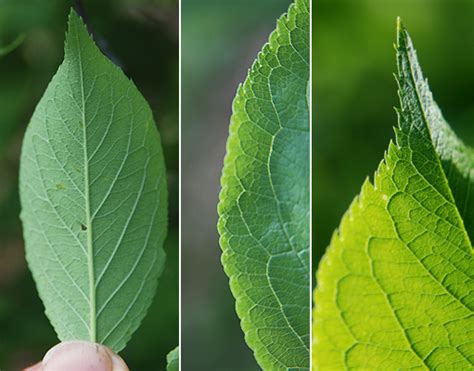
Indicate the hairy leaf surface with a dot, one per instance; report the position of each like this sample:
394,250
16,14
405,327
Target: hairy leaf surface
94,198
396,288
264,202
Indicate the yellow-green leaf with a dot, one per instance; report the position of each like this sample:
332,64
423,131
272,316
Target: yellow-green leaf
395,287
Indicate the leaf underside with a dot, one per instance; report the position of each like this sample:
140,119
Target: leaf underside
94,198
264,202
395,288
172,360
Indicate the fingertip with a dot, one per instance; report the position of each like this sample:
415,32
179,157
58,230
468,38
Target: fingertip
36,367
78,356
117,361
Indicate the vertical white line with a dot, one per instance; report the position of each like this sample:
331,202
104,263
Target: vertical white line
310,183
179,179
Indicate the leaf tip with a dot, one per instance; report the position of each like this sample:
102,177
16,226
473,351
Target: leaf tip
399,23
73,18
403,38
75,24
400,31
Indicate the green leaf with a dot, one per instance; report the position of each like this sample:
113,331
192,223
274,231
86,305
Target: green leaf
94,198
264,202
395,288
173,360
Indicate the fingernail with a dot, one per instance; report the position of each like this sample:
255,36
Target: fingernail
79,356
35,367
117,361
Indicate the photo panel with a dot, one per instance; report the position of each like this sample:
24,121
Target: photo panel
245,185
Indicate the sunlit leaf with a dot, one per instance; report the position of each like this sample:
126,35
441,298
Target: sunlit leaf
396,288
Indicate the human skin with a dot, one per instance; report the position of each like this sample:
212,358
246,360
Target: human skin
80,356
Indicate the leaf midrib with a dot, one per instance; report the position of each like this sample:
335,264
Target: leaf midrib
90,248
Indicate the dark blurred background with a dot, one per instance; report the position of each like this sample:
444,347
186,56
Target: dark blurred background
220,40
142,37
354,90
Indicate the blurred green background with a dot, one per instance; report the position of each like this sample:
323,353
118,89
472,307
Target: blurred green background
142,37
354,90
220,41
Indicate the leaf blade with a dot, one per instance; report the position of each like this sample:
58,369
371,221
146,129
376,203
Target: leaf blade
394,286
172,360
93,194
456,158
264,202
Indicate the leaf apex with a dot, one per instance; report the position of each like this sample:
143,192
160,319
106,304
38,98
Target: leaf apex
401,29
72,18
76,27
403,37
399,23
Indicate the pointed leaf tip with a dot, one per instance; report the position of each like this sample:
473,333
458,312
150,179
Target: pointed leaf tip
402,35
399,23
75,24
400,29
73,17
